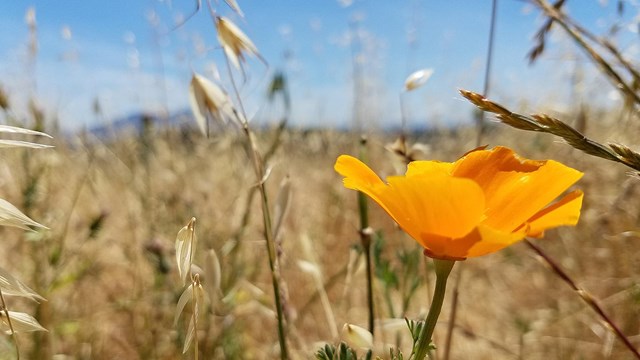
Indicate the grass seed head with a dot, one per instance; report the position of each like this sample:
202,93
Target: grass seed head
185,248
417,79
11,216
357,336
11,286
234,42
209,101
233,4
20,322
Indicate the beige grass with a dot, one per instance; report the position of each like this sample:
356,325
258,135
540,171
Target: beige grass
108,299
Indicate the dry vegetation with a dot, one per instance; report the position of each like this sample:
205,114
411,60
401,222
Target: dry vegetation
107,265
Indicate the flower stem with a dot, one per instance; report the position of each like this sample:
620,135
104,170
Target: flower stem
443,269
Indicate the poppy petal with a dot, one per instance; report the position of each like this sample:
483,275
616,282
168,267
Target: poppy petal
416,168
481,241
482,203
356,174
492,240
515,189
437,204
564,212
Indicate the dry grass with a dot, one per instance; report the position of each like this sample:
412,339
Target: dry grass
109,298
107,264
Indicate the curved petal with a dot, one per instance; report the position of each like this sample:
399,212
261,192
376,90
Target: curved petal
427,167
492,240
515,189
564,212
482,240
436,204
356,174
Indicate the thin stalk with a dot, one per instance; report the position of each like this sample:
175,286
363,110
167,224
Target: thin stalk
194,301
365,240
487,69
403,115
327,285
13,333
366,244
607,68
443,269
266,216
239,233
452,317
590,300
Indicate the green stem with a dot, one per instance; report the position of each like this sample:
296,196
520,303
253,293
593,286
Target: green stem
365,239
366,245
443,269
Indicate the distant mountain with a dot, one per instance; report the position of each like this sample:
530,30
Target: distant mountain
136,122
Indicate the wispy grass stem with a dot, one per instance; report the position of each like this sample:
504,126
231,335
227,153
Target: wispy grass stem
266,217
584,295
10,324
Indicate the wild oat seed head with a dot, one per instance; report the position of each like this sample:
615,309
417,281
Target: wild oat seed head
209,101
234,42
233,4
11,286
357,336
11,216
185,248
20,322
417,79
30,17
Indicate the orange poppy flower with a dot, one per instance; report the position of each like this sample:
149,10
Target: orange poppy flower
479,204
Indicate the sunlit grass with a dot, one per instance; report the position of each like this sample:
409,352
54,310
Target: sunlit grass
287,263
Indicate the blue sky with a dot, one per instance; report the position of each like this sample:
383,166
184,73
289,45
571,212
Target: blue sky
121,53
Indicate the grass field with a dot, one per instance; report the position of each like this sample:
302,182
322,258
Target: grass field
107,264
245,244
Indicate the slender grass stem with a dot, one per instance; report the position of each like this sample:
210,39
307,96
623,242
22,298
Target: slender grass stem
607,68
13,333
487,69
590,300
194,301
266,216
452,317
